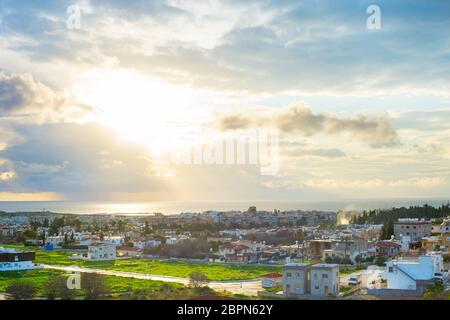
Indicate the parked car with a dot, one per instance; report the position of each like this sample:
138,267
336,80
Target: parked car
354,281
440,277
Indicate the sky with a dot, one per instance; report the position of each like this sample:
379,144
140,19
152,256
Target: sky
96,98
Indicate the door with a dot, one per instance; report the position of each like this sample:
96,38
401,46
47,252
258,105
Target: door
325,290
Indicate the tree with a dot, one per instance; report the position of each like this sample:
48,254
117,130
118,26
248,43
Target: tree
94,284
147,228
56,287
380,261
102,236
21,291
198,279
358,260
43,238
387,230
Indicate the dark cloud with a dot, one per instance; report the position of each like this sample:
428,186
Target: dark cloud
24,98
376,132
84,161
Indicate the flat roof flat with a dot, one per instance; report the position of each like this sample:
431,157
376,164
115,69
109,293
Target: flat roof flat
296,264
325,265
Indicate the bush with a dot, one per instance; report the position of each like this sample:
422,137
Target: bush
198,279
21,291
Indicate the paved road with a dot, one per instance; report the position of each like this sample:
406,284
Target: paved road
247,287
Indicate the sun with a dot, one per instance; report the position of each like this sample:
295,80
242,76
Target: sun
138,107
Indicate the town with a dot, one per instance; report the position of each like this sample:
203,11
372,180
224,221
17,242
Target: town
398,253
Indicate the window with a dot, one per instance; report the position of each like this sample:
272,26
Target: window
391,269
324,276
288,274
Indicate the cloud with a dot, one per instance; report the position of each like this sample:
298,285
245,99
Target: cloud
23,98
320,153
5,176
84,161
252,46
419,183
300,120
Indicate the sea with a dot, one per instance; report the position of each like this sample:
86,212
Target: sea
176,207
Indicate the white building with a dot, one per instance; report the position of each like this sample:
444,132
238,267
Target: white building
152,243
412,273
98,251
55,240
325,280
415,228
271,280
116,240
14,260
320,280
296,279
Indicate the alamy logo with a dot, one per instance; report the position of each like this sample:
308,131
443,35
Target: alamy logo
74,19
243,147
374,20
74,281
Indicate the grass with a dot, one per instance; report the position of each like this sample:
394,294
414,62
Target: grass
182,269
37,278
345,271
437,292
116,285
274,289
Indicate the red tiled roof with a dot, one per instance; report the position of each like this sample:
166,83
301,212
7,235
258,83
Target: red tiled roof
272,275
386,244
97,244
128,249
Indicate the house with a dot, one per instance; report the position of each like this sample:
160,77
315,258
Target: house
415,228
296,279
15,260
55,241
99,251
131,252
315,248
116,240
152,243
412,275
434,243
386,248
320,280
325,280
272,280
232,248
348,250
7,231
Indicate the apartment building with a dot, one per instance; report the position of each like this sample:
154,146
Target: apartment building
15,260
325,280
317,280
101,251
415,228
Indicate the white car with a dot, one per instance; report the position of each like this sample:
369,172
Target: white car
353,281
440,276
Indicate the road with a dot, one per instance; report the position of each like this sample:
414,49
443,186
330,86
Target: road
246,287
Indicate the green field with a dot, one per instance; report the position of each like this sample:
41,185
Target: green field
116,285
214,271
